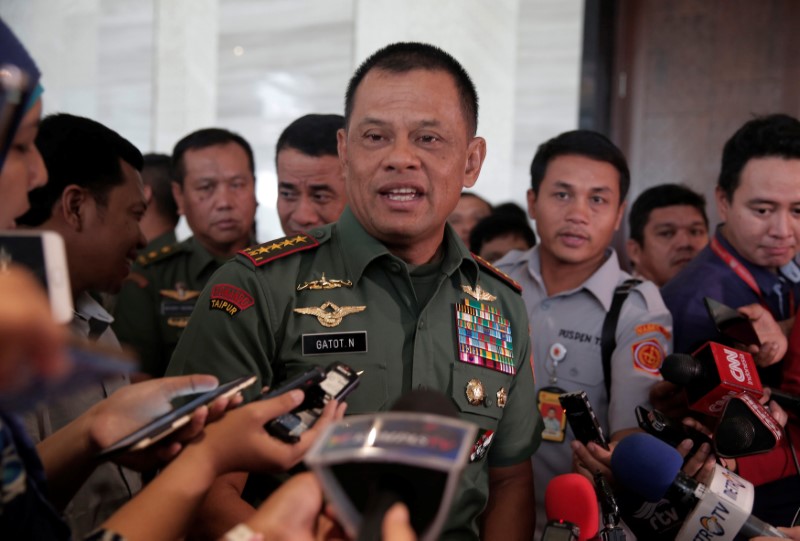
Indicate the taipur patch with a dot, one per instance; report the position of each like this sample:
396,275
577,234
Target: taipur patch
230,299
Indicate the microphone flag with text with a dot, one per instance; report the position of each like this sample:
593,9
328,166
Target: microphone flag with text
366,463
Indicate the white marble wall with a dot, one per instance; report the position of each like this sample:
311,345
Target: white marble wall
156,69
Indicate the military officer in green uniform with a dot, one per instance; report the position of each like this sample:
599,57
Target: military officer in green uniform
390,290
214,189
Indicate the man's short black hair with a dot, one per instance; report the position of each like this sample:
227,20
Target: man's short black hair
586,143
403,57
663,195
79,151
207,137
313,135
497,225
775,136
157,173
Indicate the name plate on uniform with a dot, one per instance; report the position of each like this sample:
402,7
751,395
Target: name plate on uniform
326,343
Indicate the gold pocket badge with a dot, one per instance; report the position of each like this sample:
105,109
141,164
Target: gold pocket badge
478,293
502,397
475,392
324,283
329,314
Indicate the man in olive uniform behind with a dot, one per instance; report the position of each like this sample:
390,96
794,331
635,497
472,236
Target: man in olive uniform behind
214,188
390,290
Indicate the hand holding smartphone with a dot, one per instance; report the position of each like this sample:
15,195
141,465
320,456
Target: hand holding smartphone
582,419
173,420
321,385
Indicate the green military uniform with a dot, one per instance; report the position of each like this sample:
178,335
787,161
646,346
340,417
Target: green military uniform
338,294
155,245
157,299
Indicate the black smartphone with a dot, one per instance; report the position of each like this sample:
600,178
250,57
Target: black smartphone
557,530
334,382
173,420
582,419
731,323
672,432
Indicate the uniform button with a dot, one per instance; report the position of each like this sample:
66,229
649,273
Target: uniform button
573,372
545,306
488,402
422,324
318,233
395,266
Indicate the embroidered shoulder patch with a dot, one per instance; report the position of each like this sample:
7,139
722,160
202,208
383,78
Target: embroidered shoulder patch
647,356
262,254
498,273
157,255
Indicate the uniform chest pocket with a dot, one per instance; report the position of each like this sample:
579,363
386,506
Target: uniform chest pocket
480,393
582,366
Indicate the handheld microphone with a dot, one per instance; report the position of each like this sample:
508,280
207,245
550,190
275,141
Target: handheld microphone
746,428
610,510
570,499
722,508
712,375
366,463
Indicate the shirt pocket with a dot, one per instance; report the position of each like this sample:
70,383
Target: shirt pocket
487,414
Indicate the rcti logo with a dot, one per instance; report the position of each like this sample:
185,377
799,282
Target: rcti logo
712,524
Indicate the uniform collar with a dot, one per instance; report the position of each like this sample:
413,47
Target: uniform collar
597,284
200,258
362,249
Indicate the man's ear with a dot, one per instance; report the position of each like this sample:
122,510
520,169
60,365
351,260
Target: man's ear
177,194
341,148
531,203
72,206
634,251
148,194
620,215
476,154
723,205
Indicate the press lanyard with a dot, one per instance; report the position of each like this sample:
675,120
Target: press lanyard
744,274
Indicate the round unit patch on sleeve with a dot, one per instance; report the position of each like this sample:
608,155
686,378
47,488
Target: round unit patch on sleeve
647,356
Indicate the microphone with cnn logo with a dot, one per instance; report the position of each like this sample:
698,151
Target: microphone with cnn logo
712,375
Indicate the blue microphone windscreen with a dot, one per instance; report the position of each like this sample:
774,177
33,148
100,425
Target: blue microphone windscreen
645,465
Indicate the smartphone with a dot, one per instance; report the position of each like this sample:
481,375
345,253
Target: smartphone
669,431
338,380
582,419
731,323
43,253
560,530
173,420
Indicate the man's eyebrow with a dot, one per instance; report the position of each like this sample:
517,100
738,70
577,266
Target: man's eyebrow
758,201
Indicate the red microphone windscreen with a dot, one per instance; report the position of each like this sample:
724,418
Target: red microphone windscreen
571,497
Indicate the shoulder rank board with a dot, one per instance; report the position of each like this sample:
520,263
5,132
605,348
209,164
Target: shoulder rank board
503,277
275,249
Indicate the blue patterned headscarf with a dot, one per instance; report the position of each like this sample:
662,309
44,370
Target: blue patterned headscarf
13,54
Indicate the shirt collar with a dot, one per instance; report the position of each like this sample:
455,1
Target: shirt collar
597,284
86,308
362,249
764,278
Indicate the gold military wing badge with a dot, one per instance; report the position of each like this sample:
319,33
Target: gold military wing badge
330,314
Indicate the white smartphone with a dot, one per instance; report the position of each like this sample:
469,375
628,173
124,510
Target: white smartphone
44,254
